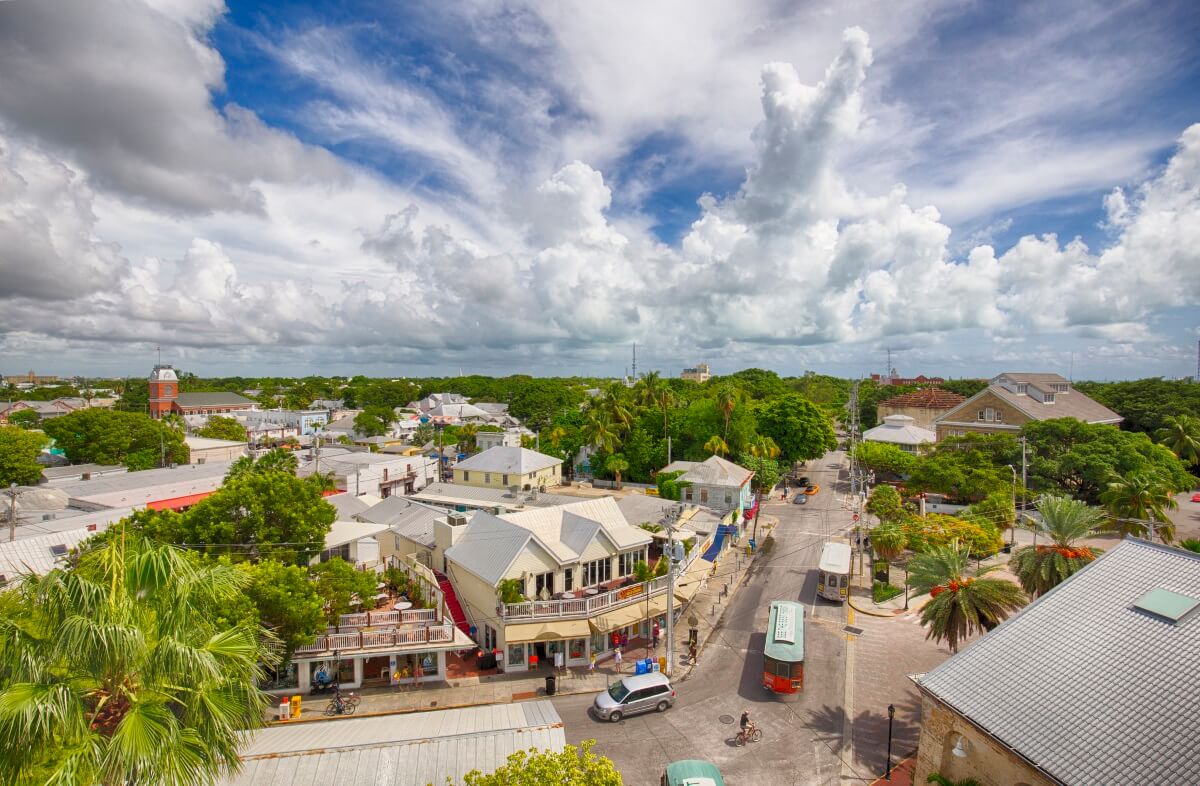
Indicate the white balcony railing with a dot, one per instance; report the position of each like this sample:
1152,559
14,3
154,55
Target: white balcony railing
588,605
354,641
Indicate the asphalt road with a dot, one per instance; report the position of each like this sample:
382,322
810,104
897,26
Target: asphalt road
803,733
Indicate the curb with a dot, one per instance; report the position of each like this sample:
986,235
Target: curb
872,613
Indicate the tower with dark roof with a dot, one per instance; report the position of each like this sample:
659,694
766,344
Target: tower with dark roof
164,390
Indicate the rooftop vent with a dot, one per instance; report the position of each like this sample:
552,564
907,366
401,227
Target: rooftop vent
1167,605
59,550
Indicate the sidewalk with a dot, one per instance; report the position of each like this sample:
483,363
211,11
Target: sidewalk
706,607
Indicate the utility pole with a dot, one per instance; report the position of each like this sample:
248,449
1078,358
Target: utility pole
670,593
12,511
668,450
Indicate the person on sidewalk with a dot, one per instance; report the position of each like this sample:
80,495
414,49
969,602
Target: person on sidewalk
654,635
617,658
592,664
418,674
692,652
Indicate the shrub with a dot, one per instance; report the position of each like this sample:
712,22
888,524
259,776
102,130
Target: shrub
881,591
939,530
889,540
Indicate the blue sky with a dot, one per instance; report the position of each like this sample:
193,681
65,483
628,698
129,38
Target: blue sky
402,188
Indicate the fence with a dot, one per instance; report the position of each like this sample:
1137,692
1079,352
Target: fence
366,619
376,639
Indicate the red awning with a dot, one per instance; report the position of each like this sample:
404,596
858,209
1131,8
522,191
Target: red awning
178,503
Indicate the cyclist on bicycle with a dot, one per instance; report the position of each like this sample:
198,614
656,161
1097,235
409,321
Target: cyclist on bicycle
746,724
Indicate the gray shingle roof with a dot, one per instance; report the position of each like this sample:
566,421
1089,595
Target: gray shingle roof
1085,686
506,459
713,471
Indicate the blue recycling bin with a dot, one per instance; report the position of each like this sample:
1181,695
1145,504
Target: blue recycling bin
643,666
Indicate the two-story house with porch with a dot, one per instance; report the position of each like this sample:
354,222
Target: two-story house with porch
715,482
574,568
1013,399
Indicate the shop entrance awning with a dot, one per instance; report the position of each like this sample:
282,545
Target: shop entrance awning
629,615
546,631
687,585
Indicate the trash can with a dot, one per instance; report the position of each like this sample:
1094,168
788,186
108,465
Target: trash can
550,686
285,708
662,663
296,705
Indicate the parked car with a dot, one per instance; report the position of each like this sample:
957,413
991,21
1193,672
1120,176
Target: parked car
634,694
692,772
803,481
1196,497
800,499
813,489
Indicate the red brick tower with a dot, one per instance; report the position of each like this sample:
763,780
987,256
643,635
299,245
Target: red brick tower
164,389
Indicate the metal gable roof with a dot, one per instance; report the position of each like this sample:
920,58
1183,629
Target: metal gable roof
1083,684
507,459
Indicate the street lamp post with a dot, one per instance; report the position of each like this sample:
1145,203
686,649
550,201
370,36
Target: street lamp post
891,714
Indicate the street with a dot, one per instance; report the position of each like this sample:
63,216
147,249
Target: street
802,734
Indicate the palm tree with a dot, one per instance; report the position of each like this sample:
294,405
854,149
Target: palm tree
1064,522
615,403
655,393
118,671
617,464
1182,436
727,402
764,447
942,780
960,607
1137,498
556,435
716,445
599,430
466,435
1191,544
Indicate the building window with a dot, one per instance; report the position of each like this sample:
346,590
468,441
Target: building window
703,496
1048,398
1060,387
506,480
1022,389
568,580
487,477
728,498
980,415
597,572
516,655
466,476
489,637
543,581
627,560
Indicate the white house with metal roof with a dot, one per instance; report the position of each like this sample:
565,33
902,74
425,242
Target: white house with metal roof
574,566
1094,682
715,482
901,431
506,466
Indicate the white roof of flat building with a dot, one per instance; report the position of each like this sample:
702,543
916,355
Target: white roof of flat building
413,749
343,532
205,443
899,430
151,485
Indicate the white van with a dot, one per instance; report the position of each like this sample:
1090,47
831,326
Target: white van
634,694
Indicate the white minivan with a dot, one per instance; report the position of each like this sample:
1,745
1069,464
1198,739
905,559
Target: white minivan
634,694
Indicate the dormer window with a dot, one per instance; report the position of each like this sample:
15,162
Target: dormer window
1022,389
1060,387
1048,398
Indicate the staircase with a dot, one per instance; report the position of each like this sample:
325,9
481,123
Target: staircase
456,609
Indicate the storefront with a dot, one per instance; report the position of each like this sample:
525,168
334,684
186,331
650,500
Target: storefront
559,642
374,669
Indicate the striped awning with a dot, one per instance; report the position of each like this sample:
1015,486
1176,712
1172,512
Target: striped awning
546,631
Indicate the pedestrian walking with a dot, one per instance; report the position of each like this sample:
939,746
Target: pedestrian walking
592,664
418,674
692,652
617,658
654,635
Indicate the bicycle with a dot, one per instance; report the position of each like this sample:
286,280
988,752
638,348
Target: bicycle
341,707
752,734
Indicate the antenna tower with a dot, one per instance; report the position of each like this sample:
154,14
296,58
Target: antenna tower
887,372
635,361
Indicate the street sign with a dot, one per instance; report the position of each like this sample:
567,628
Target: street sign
856,517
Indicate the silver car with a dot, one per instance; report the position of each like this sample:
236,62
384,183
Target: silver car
634,694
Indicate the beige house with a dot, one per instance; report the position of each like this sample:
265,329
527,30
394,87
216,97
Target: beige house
506,467
574,566
205,450
699,373
1012,400
1092,683
923,406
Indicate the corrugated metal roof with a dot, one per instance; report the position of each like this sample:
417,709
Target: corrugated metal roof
407,518
398,750
713,471
1083,684
507,459
342,532
34,555
899,430
138,488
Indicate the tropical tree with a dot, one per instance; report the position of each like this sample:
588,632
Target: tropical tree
617,464
1137,498
1181,434
19,450
466,436
616,404
889,540
571,767
960,606
104,436
600,431
274,460
120,672
764,447
556,435
1064,522
885,504
218,427
342,586
716,445
800,428
24,418
1191,544
727,401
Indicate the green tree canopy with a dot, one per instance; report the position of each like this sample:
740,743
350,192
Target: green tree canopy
388,395
275,460
1080,458
1137,498
105,436
373,421
996,509
19,450
339,583
24,418
219,427
1145,404
1181,435
968,467
268,514
767,471
885,504
284,600
800,429
538,401
570,767
119,672
884,457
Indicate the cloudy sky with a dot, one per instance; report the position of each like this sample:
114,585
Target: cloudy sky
412,188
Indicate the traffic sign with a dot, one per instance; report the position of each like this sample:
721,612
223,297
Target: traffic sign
856,517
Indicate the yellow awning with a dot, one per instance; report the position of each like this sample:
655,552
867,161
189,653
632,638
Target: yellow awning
628,615
687,585
546,631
